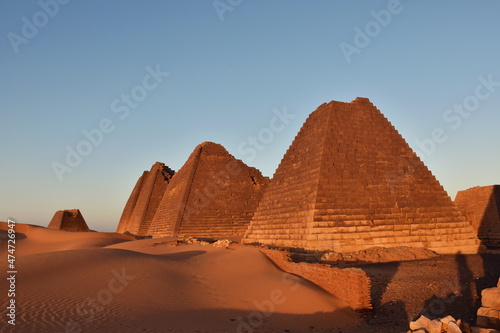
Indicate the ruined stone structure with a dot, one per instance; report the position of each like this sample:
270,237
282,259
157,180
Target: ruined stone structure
68,220
213,194
481,205
349,284
348,182
144,200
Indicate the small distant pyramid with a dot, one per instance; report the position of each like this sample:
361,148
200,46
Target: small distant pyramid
68,220
212,195
144,200
349,181
481,205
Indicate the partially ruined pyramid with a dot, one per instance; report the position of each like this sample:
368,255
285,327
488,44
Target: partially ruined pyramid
481,204
349,181
144,200
68,220
212,195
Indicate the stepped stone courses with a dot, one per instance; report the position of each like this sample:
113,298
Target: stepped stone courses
68,220
212,195
348,182
481,205
144,200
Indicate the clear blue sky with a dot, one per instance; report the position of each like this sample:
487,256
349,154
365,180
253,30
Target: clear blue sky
229,68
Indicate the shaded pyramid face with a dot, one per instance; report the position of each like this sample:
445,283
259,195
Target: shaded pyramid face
481,205
144,200
349,181
68,220
212,195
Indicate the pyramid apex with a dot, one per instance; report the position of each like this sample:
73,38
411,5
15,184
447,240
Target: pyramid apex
212,147
361,100
72,212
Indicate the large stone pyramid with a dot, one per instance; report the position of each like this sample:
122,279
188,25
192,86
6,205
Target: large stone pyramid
68,220
481,204
349,181
212,195
144,200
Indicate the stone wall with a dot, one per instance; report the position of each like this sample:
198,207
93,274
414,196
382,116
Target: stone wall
350,284
349,181
212,195
481,205
144,200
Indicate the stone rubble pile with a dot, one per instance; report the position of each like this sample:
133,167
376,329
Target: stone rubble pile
447,324
488,318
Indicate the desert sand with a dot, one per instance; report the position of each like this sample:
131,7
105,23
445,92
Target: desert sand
109,282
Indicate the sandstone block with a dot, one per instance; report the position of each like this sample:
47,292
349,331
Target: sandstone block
446,320
490,298
488,318
421,322
453,328
435,326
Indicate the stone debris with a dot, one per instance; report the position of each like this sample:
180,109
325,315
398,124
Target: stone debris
447,324
378,254
488,318
222,243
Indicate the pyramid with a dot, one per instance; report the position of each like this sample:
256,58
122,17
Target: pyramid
212,195
481,205
68,220
349,181
144,200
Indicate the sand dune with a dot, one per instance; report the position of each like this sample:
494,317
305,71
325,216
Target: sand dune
72,282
